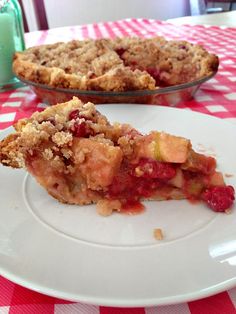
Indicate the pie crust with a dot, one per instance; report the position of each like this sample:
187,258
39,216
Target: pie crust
119,64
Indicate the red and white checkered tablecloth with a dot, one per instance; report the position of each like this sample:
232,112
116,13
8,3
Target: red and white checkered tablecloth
216,97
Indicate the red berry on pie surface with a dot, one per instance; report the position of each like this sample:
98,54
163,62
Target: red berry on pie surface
155,73
219,198
74,115
81,130
120,51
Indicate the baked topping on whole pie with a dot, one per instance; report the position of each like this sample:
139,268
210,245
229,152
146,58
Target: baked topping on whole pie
119,64
79,157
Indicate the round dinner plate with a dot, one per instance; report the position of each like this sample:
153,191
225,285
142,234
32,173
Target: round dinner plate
71,252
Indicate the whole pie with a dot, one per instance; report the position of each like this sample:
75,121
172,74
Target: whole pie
119,64
79,157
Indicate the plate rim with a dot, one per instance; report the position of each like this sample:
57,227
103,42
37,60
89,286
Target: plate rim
131,303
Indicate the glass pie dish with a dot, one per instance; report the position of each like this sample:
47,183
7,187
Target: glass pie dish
167,96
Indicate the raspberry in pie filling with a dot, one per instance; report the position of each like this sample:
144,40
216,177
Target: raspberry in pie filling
80,158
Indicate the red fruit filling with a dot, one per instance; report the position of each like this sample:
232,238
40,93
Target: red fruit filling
76,114
219,198
130,187
132,207
133,182
149,168
120,52
81,130
155,73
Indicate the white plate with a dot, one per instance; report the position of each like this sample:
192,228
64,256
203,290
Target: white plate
72,253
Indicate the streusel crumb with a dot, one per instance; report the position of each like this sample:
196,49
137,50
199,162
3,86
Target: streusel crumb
119,64
158,234
62,138
106,207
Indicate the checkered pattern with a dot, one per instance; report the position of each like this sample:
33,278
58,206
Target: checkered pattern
216,97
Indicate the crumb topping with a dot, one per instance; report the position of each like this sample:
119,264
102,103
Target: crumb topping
119,64
48,154
62,138
106,207
158,234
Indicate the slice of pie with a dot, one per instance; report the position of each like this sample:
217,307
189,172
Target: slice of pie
120,64
80,158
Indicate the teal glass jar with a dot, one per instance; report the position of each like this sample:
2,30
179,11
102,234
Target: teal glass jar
11,40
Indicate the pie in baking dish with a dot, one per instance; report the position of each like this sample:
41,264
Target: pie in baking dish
119,64
79,157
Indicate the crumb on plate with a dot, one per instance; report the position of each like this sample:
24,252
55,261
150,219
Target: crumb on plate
158,234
